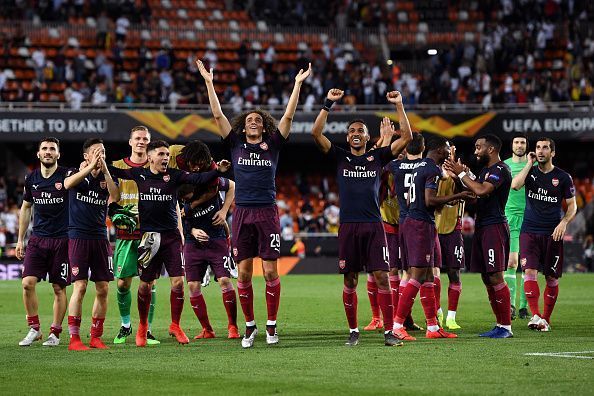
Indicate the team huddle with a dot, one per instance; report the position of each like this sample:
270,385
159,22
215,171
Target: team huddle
400,221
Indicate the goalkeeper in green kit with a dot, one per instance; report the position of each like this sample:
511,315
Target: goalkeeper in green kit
124,216
514,211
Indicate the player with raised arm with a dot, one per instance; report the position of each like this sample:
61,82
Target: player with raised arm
125,257
161,242
514,212
448,221
490,245
47,250
419,238
89,189
255,143
543,228
362,241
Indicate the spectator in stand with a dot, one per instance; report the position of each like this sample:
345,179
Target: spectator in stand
122,25
102,29
38,59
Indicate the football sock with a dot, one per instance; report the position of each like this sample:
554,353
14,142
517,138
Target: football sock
394,285
246,298
97,327
144,302
454,291
349,299
503,303
510,278
385,302
230,303
373,298
491,293
407,298
273,290
151,313
532,292
199,307
437,292
550,298
523,301
56,329
124,298
177,304
428,303
74,325
33,322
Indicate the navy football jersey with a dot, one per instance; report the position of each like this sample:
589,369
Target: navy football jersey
402,171
545,193
491,209
88,207
254,166
201,216
358,180
425,174
50,203
157,194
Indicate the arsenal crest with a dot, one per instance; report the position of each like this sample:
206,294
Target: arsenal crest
235,252
428,258
103,184
166,178
523,262
555,182
58,186
264,146
341,264
370,158
74,271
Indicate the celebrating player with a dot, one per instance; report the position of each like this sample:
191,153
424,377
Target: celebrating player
47,250
206,243
88,247
514,211
361,238
128,236
161,243
490,246
419,238
448,221
541,238
255,143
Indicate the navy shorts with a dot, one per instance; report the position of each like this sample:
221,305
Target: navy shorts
541,253
47,257
92,255
255,232
168,255
199,255
362,247
452,250
418,243
490,249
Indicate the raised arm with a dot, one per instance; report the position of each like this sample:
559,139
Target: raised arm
112,188
126,174
457,168
24,220
203,177
387,132
75,179
220,119
400,144
284,126
318,128
520,179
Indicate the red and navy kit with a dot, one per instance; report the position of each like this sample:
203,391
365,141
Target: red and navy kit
201,216
425,175
491,209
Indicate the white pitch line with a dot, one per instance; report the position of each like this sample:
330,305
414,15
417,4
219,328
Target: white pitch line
573,355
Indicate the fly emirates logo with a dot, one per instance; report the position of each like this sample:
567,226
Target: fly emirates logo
46,199
542,195
93,198
254,160
154,194
359,172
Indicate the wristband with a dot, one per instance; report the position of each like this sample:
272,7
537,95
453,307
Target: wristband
461,175
328,103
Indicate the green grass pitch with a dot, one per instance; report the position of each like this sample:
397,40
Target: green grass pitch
311,357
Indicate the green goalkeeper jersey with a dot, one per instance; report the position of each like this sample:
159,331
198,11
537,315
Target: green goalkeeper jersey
516,201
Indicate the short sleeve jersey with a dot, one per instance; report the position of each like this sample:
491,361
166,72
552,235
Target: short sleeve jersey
201,216
88,207
157,194
50,203
402,171
545,193
491,209
358,183
516,202
425,175
254,166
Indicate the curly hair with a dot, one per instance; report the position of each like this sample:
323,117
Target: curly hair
238,123
196,152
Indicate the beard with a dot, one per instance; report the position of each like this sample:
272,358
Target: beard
482,160
48,164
